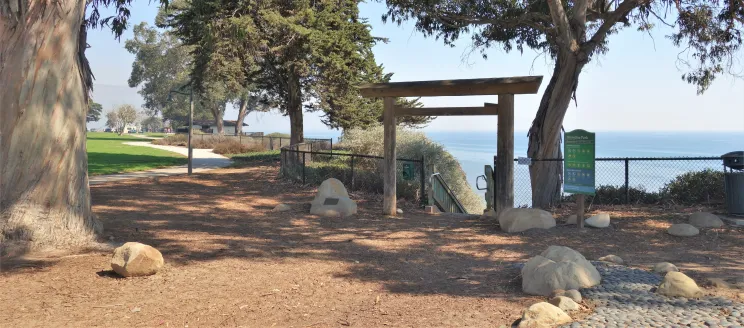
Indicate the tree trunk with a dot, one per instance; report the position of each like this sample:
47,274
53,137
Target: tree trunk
217,114
45,79
242,111
294,109
544,135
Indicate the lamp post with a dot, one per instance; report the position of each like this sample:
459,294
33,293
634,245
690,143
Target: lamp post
191,123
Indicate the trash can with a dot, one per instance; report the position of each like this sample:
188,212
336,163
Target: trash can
733,163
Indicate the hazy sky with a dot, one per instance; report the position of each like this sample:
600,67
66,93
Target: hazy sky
636,86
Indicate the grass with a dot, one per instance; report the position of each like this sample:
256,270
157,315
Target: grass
155,135
258,156
108,155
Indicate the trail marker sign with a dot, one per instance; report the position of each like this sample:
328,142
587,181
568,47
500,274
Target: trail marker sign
578,168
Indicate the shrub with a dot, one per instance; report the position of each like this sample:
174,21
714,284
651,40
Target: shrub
220,144
232,146
609,195
415,145
278,135
692,188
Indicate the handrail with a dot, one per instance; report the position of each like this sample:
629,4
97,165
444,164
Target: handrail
451,203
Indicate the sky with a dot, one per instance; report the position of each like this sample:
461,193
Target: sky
636,86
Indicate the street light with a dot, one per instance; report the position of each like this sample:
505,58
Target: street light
191,120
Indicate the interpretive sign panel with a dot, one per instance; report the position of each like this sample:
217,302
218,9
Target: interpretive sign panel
578,168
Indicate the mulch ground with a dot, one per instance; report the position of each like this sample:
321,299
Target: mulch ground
230,261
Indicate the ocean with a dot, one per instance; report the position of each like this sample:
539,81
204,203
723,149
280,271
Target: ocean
475,149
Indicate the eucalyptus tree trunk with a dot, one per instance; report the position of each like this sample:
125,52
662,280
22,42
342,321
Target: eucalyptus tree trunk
44,85
545,133
242,111
294,110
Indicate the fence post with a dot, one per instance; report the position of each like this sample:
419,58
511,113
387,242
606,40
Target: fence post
331,144
281,163
422,174
303,168
627,184
280,142
352,172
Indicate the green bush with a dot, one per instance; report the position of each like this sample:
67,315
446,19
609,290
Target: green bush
611,195
278,135
221,144
415,145
692,188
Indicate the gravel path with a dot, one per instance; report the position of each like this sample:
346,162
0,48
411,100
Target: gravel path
625,299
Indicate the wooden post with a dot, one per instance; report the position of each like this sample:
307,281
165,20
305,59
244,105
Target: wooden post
389,165
580,210
505,154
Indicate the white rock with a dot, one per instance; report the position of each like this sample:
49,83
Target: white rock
601,220
558,267
683,230
399,211
705,220
664,267
612,259
677,284
521,219
282,208
332,200
573,294
565,303
543,314
136,259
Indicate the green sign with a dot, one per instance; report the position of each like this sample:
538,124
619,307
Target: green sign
578,168
408,171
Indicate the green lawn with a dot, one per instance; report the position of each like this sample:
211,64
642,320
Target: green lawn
155,135
258,156
107,155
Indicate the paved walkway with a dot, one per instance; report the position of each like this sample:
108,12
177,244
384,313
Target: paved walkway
204,160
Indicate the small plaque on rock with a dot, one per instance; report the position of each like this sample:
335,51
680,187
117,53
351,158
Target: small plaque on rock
330,201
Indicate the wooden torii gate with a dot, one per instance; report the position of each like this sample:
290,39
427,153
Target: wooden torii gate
505,88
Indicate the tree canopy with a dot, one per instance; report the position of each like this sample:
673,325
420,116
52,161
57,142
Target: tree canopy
572,33
94,111
296,55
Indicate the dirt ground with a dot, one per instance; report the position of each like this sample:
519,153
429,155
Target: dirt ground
230,261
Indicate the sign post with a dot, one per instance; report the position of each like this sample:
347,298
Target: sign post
578,168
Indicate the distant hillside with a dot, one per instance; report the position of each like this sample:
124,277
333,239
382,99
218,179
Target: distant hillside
110,96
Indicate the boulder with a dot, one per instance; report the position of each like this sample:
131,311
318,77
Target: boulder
665,267
399,211
558,267
543,314
332,200
677,284
136,259
705,220
571,219
573,294
564,303
601,220
521,219
683,230
612,259
282,208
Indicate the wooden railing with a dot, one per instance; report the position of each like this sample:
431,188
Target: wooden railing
442,196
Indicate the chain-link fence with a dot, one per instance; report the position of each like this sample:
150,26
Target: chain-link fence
679,180
302,163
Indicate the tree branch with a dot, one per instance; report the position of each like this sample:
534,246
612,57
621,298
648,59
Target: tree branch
618,14
530,19
560,20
